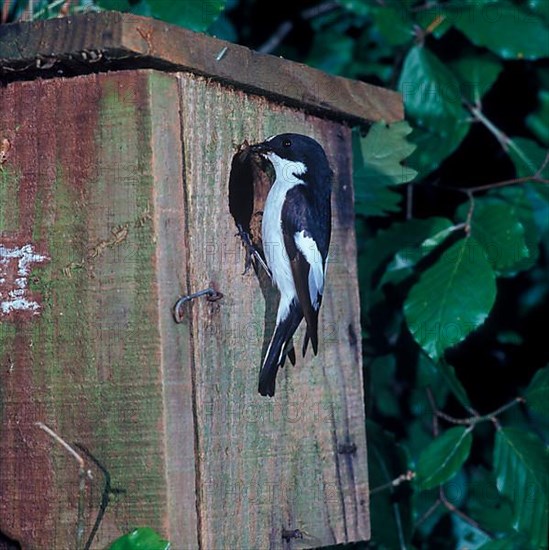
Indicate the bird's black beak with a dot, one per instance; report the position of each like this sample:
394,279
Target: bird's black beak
260,147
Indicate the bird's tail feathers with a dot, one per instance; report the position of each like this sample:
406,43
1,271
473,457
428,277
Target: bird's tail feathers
312,335
278,349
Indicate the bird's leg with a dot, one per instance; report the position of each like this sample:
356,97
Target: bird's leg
251,252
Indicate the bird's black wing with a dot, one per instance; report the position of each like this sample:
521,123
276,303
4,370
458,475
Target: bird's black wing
303,230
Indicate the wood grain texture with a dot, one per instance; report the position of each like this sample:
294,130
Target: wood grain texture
104,41
121,183
268,465
94,182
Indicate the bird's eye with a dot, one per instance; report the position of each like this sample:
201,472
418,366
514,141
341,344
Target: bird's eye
286,143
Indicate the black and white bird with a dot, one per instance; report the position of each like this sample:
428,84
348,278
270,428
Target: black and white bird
296,229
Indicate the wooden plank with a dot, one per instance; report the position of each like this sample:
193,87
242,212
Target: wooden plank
109,40
268,465
93,184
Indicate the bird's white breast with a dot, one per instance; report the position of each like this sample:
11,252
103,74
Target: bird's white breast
273,239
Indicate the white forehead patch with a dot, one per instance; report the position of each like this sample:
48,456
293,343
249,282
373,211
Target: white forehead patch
287,170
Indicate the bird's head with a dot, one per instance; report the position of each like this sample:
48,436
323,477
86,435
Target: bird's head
293,155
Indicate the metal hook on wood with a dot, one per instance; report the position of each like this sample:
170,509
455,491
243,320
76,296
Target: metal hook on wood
212,296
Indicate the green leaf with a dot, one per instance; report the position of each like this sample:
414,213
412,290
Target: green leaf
431,93
440,377
377,164
477,74
424,237
384,149
432,97
376,252
434,146
538,121
528,157
499,231
197,15
442,459
517,541
391,518
505,28
486,505
521,464
537,393
143,538
518,201
394,24
451,299
373,198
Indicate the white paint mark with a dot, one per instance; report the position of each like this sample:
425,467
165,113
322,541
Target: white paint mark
15,267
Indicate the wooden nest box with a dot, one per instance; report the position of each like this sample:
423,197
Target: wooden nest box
116,139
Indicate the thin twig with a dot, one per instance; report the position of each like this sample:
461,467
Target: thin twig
503,183
63,443
434,408
543,165
82,475
408,476
105,495
276,38
429,512
455,510
490,126
469,213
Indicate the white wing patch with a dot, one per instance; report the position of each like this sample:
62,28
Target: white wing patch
307,246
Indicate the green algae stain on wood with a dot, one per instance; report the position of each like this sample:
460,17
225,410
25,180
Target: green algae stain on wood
92,357
123,297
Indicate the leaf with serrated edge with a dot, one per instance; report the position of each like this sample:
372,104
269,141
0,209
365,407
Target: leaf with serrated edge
431,93
452,298
500,233
433,99
442,459
383,150
521,464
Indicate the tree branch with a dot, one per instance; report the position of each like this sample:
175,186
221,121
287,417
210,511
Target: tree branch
471,420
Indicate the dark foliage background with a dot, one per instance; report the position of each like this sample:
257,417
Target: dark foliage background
452,227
